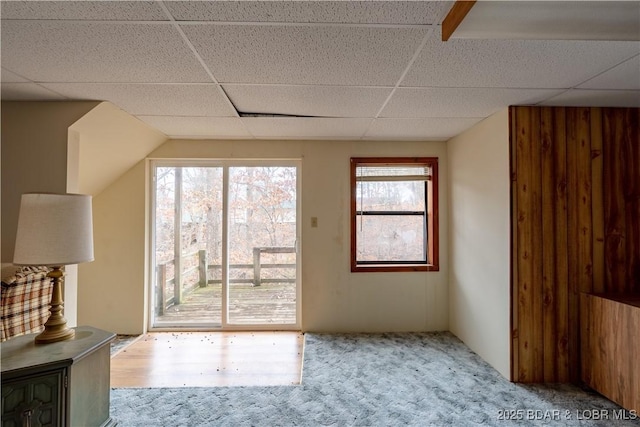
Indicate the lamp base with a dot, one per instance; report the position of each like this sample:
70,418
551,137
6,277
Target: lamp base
50,335
56,328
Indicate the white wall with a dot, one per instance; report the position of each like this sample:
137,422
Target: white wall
34,155
34,159
479,222
112,292
110,142
333,298
110,146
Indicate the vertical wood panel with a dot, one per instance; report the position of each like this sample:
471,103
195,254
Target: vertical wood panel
597,201
514,288
631,190
529,245
550,300
561,256
615,226
584,232
585,221
524,242
572,236
579,229
587,334
536,251
554,245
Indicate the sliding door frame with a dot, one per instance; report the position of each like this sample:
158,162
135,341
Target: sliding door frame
225,164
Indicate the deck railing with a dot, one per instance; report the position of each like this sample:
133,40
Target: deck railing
181,287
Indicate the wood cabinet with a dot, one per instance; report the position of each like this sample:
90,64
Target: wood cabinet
66,383
610,347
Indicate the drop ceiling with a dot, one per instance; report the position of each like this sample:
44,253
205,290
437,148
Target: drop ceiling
372,70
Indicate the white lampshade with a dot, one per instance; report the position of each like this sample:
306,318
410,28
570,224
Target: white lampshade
54,230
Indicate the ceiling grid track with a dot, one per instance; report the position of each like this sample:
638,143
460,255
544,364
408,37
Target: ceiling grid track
607,70
176,25
406,70
413,59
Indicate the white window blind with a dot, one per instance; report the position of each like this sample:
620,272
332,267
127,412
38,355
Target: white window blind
393,173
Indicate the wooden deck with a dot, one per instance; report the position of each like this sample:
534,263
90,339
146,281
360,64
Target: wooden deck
268,304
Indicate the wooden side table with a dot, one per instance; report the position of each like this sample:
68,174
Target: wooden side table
66,383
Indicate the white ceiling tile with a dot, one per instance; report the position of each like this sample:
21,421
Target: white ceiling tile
596,98
328,101
10,77
515,63
27,92
360,12
153,99
49,51
210,127
624,76
298,54
337,60
306,128
84,10
419,129
459,102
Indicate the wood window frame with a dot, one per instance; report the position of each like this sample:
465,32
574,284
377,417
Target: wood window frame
431,214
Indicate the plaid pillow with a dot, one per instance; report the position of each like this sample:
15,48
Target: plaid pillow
24,307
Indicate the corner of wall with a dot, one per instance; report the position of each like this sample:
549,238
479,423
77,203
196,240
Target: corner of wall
110,142
479,218
111,293
112,147
28,128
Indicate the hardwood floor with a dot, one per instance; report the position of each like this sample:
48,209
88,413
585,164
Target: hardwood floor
209,359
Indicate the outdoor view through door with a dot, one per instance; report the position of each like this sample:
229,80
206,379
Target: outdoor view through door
225,245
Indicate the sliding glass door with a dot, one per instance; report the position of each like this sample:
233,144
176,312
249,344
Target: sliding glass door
225,239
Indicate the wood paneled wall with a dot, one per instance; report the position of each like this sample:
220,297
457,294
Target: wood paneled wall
575,176
621,131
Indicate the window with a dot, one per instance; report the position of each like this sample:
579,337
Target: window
394,214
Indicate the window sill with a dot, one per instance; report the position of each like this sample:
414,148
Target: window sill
393,268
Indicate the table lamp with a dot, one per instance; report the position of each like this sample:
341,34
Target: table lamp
54,230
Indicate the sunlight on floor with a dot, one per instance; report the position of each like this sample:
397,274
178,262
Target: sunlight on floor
209,359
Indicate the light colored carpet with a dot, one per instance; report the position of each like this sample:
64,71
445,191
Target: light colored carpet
121,342
393,379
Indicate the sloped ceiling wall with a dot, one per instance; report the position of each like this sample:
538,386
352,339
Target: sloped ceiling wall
107,142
